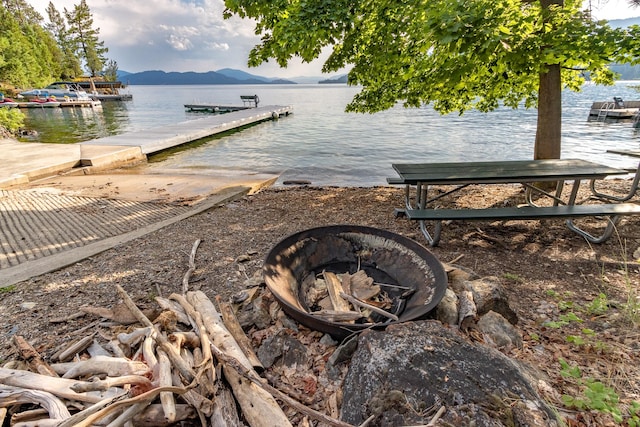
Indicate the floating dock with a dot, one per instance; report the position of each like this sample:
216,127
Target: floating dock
248,101
613,109
211,108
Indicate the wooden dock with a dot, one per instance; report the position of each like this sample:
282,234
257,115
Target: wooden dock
161,138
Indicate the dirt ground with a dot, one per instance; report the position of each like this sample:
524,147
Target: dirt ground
576,302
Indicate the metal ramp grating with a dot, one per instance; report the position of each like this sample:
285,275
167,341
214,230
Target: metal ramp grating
36,224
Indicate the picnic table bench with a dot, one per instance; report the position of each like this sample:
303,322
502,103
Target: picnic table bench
422,176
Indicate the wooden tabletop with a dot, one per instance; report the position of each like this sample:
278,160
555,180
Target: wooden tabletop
515,171
632,153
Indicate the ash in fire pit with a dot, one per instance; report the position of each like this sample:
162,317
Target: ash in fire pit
343,279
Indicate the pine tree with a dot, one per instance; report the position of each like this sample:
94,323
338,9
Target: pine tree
69,62
22,12
111,71
85,39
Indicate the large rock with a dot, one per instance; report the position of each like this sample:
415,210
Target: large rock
403,374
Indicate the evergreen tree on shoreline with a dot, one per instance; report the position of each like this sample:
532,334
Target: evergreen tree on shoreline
85,39
70,64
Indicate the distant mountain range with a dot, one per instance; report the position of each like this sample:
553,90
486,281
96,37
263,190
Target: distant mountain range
340,79
225,76
622,23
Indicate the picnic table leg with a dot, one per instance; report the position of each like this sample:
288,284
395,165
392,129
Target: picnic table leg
532,188
632,190
608,231
407,196
422,200
433,241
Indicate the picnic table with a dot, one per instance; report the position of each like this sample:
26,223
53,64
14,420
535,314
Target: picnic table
634,183
422,177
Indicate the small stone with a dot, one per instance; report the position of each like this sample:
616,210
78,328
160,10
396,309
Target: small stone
28,305
501,332
328,340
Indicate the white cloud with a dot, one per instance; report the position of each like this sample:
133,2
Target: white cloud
612,9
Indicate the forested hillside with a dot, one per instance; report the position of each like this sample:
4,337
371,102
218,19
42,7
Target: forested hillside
35,52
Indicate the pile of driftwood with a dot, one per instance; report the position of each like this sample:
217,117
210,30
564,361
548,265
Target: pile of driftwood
354,297
189,364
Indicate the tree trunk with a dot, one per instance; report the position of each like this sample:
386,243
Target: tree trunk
549,129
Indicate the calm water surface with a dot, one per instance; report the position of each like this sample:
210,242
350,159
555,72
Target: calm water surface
323,144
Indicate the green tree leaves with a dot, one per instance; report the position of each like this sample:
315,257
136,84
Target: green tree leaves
35,54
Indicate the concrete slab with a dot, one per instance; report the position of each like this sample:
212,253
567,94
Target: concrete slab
135,184
109,157
24,161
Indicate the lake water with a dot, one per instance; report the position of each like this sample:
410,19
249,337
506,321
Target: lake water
323,144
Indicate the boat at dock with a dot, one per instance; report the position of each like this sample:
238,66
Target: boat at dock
50,102
100,90
59,90
7,102
616,109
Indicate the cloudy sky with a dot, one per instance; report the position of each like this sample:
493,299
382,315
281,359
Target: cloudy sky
190,35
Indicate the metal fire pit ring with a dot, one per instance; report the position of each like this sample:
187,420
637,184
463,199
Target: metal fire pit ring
346,248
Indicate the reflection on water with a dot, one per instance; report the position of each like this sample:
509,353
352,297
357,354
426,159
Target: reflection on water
321,143
77,124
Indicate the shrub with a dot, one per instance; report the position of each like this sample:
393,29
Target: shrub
11,119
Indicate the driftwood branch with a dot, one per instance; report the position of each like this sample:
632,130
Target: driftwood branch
164,379
233,326
373,308
196,320
56,409
258,406
185,370
192,267
107,383
32,357
60,387
86,420
111,366
74,348
260,382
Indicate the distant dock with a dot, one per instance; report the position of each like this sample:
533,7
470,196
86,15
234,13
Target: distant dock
111,97
211,108
616,109
248,101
